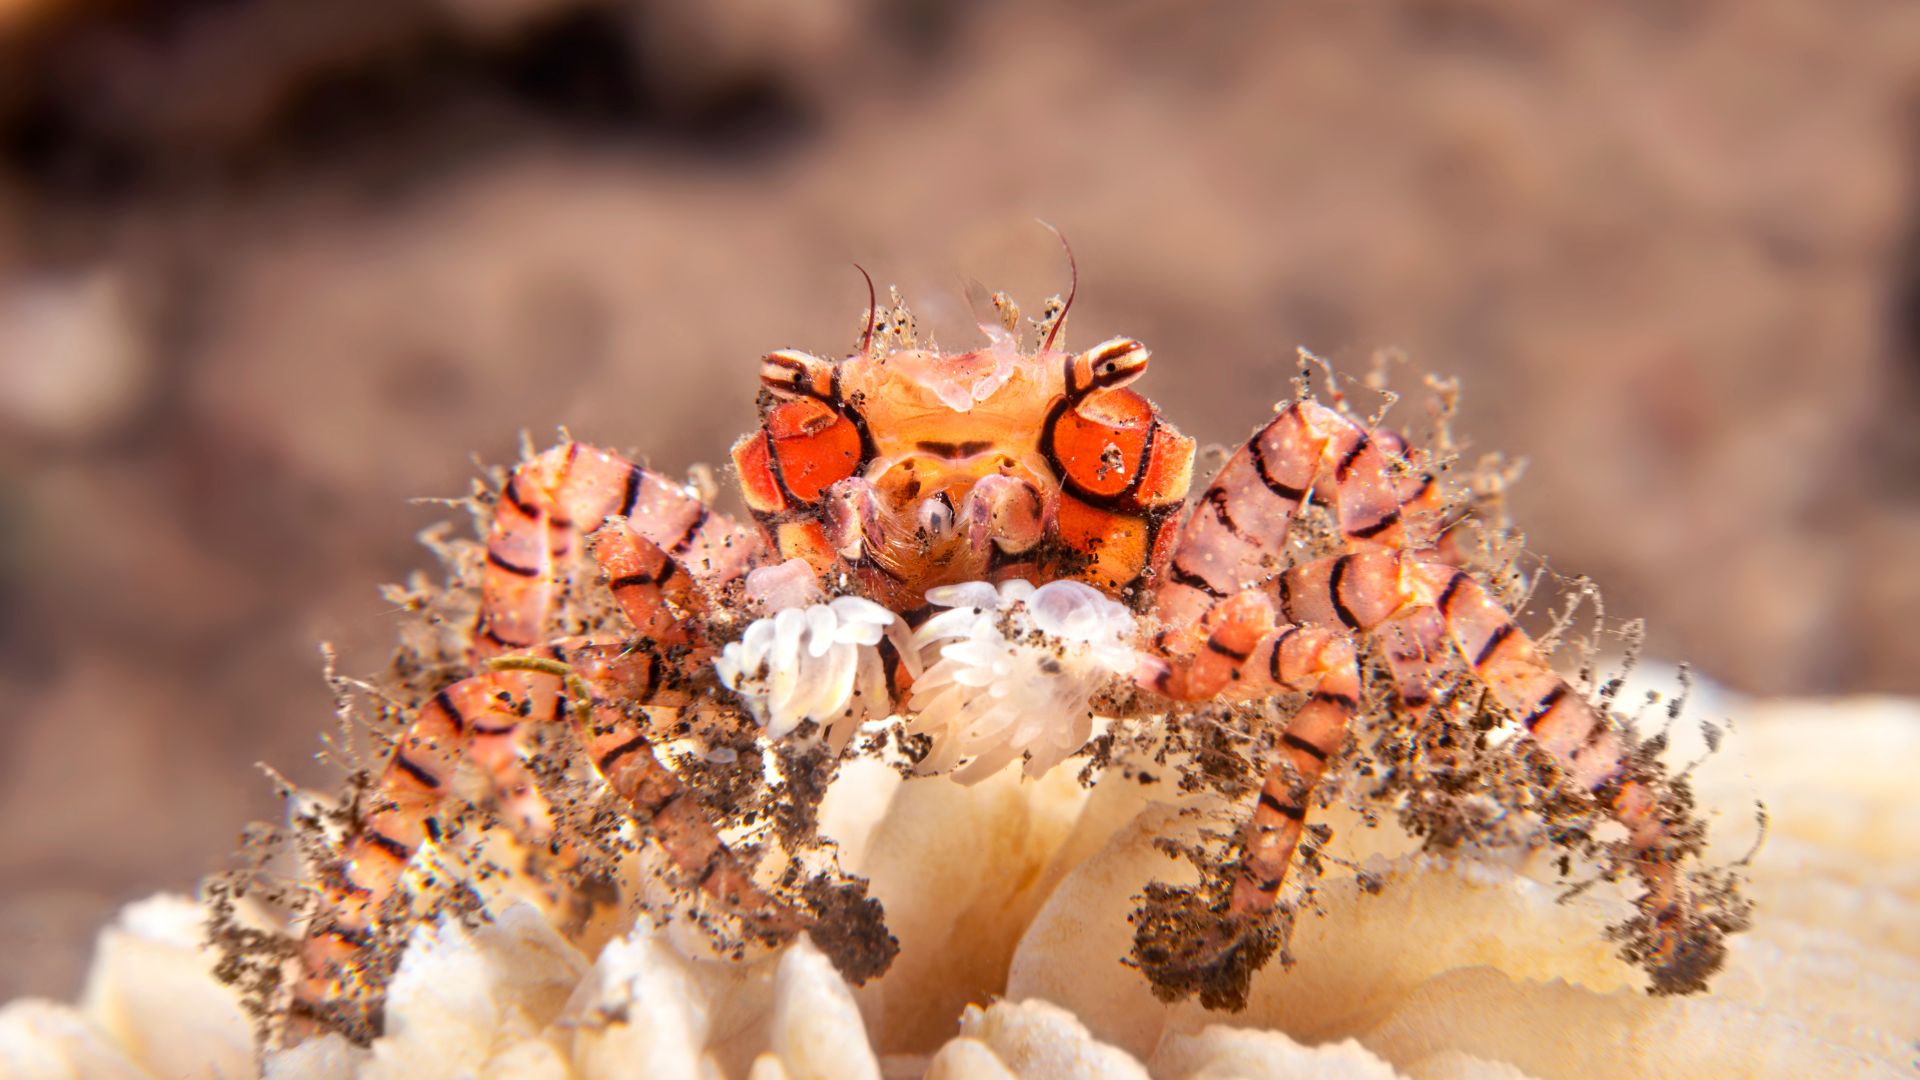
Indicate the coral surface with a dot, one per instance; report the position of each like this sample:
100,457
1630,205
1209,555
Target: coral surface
1009,898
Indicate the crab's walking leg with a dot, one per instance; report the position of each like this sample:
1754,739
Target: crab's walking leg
1321,662
1235,538
1362,589
571,490
477,717
670,813
480,719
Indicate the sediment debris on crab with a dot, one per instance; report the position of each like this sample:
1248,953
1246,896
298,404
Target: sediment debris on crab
973,559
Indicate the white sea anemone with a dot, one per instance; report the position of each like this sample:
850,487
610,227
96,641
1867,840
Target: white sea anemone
820,662
1012,670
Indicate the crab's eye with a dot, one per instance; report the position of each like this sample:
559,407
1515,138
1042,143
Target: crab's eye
1110,364
792,373
814,446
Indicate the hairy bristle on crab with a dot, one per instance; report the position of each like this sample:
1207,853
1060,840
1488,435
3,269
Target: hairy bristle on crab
970,559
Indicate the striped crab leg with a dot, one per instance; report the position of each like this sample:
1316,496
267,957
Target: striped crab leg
671,814
1364,589
1235,538
476,717
569,491
481,719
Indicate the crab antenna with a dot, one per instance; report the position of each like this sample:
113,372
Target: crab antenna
1073,286
873,310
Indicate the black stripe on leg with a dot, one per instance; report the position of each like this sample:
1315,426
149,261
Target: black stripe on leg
1305,747
1368,532
1284,490
1334,579
1453,589
512,494
1273,658
1296,812
1331,697
681,545
512,568
1493,643
445,702
1187,577
1360,444
1217,499
1230,653
635,476
389,845
1546,705
414,769
608,759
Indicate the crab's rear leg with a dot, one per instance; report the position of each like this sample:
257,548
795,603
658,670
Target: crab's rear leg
1595,755
477,717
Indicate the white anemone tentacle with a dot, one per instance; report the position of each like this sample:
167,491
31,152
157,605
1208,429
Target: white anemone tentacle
1012,671
820,662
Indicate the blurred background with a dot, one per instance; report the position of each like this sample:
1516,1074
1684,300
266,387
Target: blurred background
269,269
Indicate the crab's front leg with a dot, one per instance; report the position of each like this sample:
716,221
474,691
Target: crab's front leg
569,491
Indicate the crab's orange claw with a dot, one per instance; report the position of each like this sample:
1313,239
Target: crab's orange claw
1123,473
814,447
1098,446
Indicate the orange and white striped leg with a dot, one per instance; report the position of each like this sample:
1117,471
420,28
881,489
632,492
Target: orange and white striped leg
479,717
1322,663
1364,589
672,815
571,490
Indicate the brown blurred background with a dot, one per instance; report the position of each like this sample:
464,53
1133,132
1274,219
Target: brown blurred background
271,268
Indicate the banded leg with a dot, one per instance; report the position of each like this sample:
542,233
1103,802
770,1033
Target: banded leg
1321,662
652,588
1365,588
478,717
672,815
571,490
1236,536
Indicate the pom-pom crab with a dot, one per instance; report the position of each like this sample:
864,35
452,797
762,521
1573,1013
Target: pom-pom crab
977,555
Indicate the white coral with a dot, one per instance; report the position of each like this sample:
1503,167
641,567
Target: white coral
820,662
1017,893
1012,670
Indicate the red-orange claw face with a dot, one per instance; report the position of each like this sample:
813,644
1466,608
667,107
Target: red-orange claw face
753,462
1168,472
1098,445
813,446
